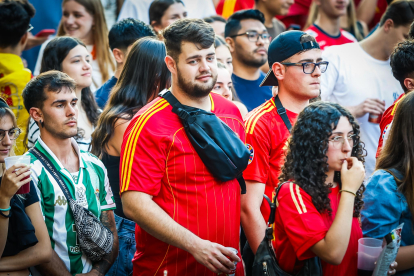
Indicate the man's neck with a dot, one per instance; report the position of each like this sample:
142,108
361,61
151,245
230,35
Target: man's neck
183,98
376,45
11,50
61,148
290,102
267,14
245,72
119,67
328,24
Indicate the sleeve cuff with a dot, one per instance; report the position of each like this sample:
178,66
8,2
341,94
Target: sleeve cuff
108,207
307,245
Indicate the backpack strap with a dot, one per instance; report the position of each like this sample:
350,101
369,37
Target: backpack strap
272,205
282,112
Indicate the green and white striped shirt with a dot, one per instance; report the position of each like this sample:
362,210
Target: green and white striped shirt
92,191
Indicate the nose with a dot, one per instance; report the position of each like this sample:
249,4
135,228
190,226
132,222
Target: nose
86,65
70,19
227,93
260,41
204,66
346,146
72,110
317,72
6,140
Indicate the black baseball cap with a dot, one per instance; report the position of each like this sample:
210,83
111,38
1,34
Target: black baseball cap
283,47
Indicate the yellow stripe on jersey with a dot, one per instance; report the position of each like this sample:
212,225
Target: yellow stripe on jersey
300,199
251,118
212,102
292,194
270,108
130,147
228,8
395,106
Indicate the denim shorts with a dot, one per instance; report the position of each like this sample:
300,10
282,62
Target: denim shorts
126,235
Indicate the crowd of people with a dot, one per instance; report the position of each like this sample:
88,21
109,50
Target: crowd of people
126,125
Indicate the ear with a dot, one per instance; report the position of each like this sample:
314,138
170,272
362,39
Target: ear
230,42
171,64
23,39
155,26
409,83
279,70
36,114
119,55
388,25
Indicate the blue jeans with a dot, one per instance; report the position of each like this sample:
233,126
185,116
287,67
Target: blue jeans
126,235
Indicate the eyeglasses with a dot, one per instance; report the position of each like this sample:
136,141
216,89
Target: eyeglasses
254,36
13,133
338,141
29,28
309,67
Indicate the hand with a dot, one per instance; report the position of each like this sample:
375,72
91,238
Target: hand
374,106
214,256
352,174
33,41
392,270
13,179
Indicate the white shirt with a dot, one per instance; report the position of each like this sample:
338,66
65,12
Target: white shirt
139,9
353,76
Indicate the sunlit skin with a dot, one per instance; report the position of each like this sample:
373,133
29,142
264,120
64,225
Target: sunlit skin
77,22
338,152
174,12
218,27
333,8
6,144
224,84
223,55
77,65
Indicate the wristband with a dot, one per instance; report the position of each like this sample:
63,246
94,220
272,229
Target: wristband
348,192
6,216
5,210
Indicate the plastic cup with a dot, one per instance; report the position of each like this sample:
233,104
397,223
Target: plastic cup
235,251
374,118
21,159
369,250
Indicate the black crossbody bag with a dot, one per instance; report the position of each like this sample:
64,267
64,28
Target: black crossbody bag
217,145
95,240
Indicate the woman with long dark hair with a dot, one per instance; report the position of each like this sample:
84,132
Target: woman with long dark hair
69,55
162,13
137,86
319,205
389,199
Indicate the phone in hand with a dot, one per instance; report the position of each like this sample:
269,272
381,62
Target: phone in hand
45,32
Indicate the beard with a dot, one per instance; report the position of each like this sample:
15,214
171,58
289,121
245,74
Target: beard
249,59
195,90
52,127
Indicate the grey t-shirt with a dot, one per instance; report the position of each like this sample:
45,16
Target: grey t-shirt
277,28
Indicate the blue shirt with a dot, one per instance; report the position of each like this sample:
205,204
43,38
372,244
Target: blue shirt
249,92
102,94
385,208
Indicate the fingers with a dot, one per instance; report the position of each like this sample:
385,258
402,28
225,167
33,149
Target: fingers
374,106
229,253
17,167
20,177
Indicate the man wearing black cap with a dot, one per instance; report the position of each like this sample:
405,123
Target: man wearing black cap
296,65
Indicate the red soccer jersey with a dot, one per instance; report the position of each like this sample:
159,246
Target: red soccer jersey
299,226
325,40
386,120
158,159
266,138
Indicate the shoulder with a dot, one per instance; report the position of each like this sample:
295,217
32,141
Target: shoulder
89,158
221,105
260,116
291,194
312,31
382,181
157,110
348,35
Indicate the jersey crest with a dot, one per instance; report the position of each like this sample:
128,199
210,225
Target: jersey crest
251,150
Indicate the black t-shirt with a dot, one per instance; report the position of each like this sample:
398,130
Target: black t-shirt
21,233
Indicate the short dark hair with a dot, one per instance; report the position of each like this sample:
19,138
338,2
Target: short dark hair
158,8
401,12
402,61
187,30
126,32
233,23
34,93
14,21
215,18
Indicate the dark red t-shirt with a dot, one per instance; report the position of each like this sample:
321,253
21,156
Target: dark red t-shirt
158,159
299,226
386,120
266,138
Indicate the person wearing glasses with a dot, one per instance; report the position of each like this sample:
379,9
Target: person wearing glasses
248,40
14,34
296,64
360,76
24,240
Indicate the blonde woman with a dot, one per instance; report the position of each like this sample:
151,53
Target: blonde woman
84,20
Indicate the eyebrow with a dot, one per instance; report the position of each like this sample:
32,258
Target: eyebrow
309,60
199,56
77,56
338,132
64,101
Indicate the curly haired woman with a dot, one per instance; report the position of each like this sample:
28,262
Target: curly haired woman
319,206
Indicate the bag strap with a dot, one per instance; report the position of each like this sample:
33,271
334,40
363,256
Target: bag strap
52,170
282,112
273,204
177,107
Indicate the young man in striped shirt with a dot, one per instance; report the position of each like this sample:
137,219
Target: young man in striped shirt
51,101
185,216
295,62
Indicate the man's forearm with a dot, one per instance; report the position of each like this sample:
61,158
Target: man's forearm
103,266
140,208
254,228
55,267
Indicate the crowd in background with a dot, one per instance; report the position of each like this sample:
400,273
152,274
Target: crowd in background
317,90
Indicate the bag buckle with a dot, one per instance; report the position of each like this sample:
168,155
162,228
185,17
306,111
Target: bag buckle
281,111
